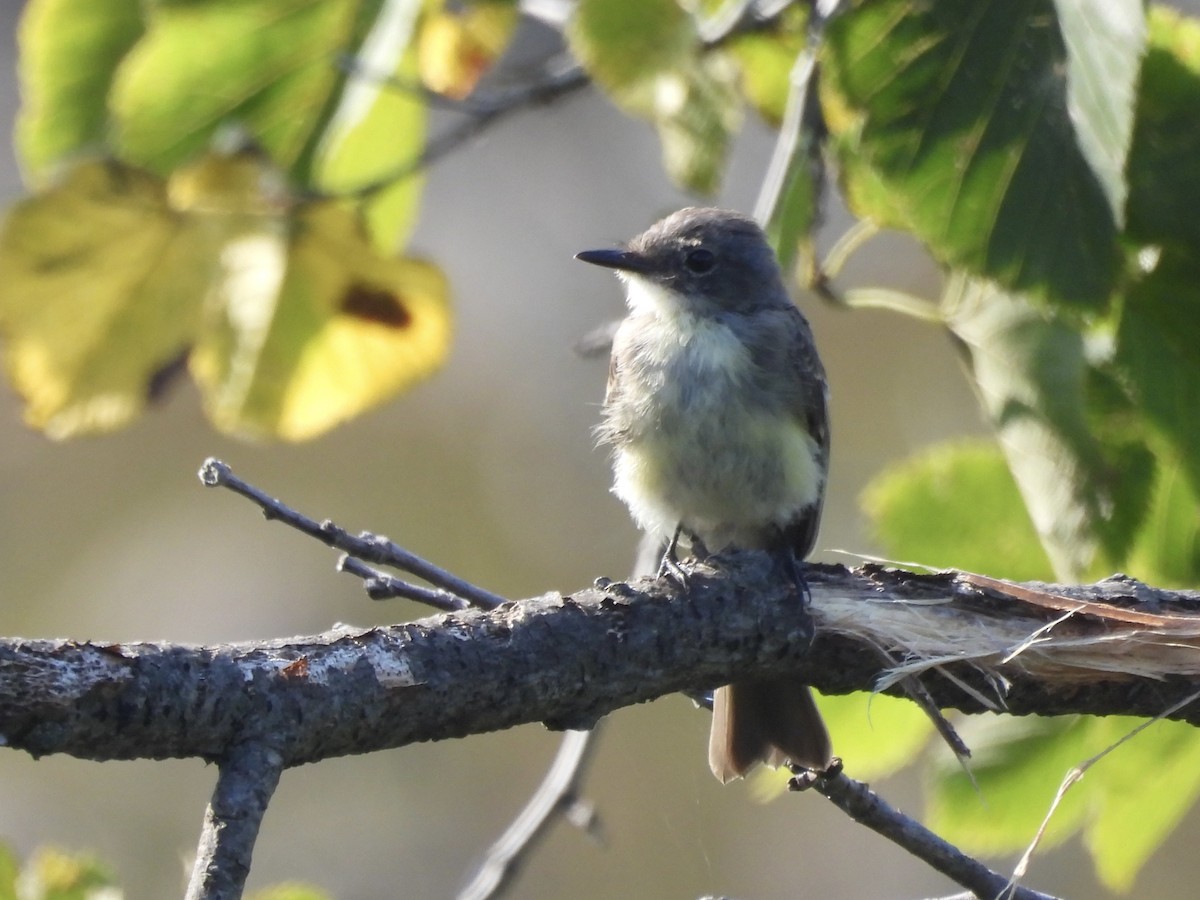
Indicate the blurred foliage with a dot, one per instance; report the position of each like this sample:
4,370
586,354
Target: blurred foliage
54,874
237,214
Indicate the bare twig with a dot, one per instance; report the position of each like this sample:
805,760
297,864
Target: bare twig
867,808
1070,780
557,796
482,114
381,586
796,153
246,779
366,546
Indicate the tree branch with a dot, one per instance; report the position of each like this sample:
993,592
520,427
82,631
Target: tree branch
568,660
557,796
246,779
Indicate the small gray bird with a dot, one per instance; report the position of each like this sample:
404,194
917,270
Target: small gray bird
716,414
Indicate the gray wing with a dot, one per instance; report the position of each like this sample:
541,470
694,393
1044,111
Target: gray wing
614,418
791,372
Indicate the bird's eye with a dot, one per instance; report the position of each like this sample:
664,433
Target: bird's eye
700,261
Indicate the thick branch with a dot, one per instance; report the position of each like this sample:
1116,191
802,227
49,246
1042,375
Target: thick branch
569,660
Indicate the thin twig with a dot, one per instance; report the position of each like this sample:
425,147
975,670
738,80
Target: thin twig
381,586
867,808
1075,775
557,796
482,115
486,110
366,546
797,133
246,779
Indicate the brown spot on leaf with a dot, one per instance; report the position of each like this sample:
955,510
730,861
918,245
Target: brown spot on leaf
166,376
374,304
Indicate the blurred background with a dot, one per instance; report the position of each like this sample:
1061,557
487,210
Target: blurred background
489,470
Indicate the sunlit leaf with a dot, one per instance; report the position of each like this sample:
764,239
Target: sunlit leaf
1017,766
273,73
52,874
10,867
646,55
955,506
290,891
111,278
765,60
954,121
378,129
1140,794
1168,546
1105,40
68,54
1126,803
100,290
457,46
311,330
625,44
696,112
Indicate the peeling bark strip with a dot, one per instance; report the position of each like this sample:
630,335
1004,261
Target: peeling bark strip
569,660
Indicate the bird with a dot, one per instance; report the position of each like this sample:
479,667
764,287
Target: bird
716,413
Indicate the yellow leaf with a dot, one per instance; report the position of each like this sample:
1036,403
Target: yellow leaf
456,48
318,328
293,322
97,296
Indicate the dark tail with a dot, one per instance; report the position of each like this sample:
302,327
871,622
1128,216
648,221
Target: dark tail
771,722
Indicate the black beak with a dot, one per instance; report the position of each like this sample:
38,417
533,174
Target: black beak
623,260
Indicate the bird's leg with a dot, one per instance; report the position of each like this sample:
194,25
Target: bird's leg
793,568
669,566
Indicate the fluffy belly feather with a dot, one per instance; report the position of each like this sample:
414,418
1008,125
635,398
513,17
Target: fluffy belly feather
727,481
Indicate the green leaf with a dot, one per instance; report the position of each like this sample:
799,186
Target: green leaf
1017,766
312,327
289,318
1105,40
275,71
1126,803
1158,353
10,866
625,44
765,60
290,891
954,121
646,55
696,113
100,290
929,509
377,130
1168,547
1141,792
1032,375
52,874
1164,180
875,735
68,54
